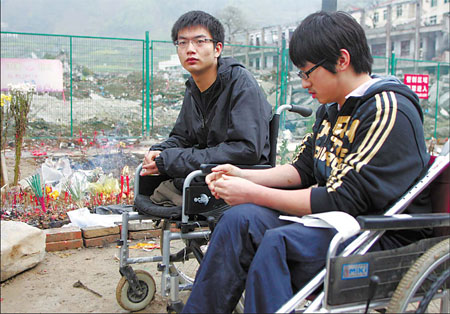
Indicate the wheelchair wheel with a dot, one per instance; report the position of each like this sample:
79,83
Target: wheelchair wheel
128,300
425,287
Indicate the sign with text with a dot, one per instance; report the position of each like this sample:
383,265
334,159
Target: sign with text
418,84
46,75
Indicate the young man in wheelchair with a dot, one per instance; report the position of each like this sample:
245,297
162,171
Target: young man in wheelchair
224,117
366,149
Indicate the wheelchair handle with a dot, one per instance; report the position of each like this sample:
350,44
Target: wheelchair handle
303,111
274,125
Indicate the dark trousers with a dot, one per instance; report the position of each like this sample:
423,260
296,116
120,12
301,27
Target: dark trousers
252,249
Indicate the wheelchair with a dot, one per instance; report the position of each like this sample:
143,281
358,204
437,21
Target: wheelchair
192,223
414,278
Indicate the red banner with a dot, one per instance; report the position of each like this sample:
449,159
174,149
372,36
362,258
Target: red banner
418,84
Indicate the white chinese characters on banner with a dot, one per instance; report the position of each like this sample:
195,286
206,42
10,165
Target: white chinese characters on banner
419,84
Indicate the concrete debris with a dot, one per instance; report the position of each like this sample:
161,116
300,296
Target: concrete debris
22,247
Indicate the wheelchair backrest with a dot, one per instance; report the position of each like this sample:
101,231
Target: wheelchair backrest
440,193
273,138
275,124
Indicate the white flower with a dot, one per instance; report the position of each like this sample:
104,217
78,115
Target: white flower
22,88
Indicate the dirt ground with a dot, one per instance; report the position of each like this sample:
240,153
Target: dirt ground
48,287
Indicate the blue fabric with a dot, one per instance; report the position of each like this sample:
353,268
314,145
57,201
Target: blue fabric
252,248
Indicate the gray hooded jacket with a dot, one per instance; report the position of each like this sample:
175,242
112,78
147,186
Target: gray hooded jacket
228,123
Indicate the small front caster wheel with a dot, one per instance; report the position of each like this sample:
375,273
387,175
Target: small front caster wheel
132,301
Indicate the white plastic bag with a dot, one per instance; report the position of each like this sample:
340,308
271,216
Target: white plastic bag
82,218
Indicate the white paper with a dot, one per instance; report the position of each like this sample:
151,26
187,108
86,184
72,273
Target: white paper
342,222
83,218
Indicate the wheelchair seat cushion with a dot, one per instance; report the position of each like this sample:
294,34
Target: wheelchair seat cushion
144,206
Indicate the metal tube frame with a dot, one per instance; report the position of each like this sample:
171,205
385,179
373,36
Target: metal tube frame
360,246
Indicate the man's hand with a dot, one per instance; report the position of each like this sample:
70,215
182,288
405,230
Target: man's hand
217,173
149,165
234,190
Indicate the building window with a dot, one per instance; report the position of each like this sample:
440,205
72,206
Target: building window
274,36
379,50
399,10
405,48
375,17
385,15
433,20
433,3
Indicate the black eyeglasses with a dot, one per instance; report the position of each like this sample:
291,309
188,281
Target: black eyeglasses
305,75
197,42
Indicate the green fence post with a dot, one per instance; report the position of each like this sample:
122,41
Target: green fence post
71,89
393,62
278,78
147,82
283,73
143,91
437,99
151,80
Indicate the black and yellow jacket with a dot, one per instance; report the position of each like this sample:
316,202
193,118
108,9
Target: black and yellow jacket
365,156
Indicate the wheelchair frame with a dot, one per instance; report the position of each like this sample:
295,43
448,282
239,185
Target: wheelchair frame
140,285
136,289
372,228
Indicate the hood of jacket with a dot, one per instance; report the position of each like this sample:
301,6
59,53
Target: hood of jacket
391,83
224,70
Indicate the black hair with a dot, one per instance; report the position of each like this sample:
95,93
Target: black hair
199,18
321,35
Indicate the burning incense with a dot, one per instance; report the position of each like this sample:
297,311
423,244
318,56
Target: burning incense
36,187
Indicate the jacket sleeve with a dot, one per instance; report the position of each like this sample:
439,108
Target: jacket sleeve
179,136
387,154
246,136
304,162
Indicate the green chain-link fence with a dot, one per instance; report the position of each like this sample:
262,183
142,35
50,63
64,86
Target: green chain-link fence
134,87
119,86
168,79
103,84
435,108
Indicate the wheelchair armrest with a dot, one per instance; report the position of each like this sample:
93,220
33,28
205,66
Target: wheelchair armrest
403,221
206,168
145,185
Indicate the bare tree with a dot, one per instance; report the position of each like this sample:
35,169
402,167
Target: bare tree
233,20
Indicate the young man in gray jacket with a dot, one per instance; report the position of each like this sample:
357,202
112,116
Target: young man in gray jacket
225,116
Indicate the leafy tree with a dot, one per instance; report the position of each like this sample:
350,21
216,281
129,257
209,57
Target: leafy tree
233,21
